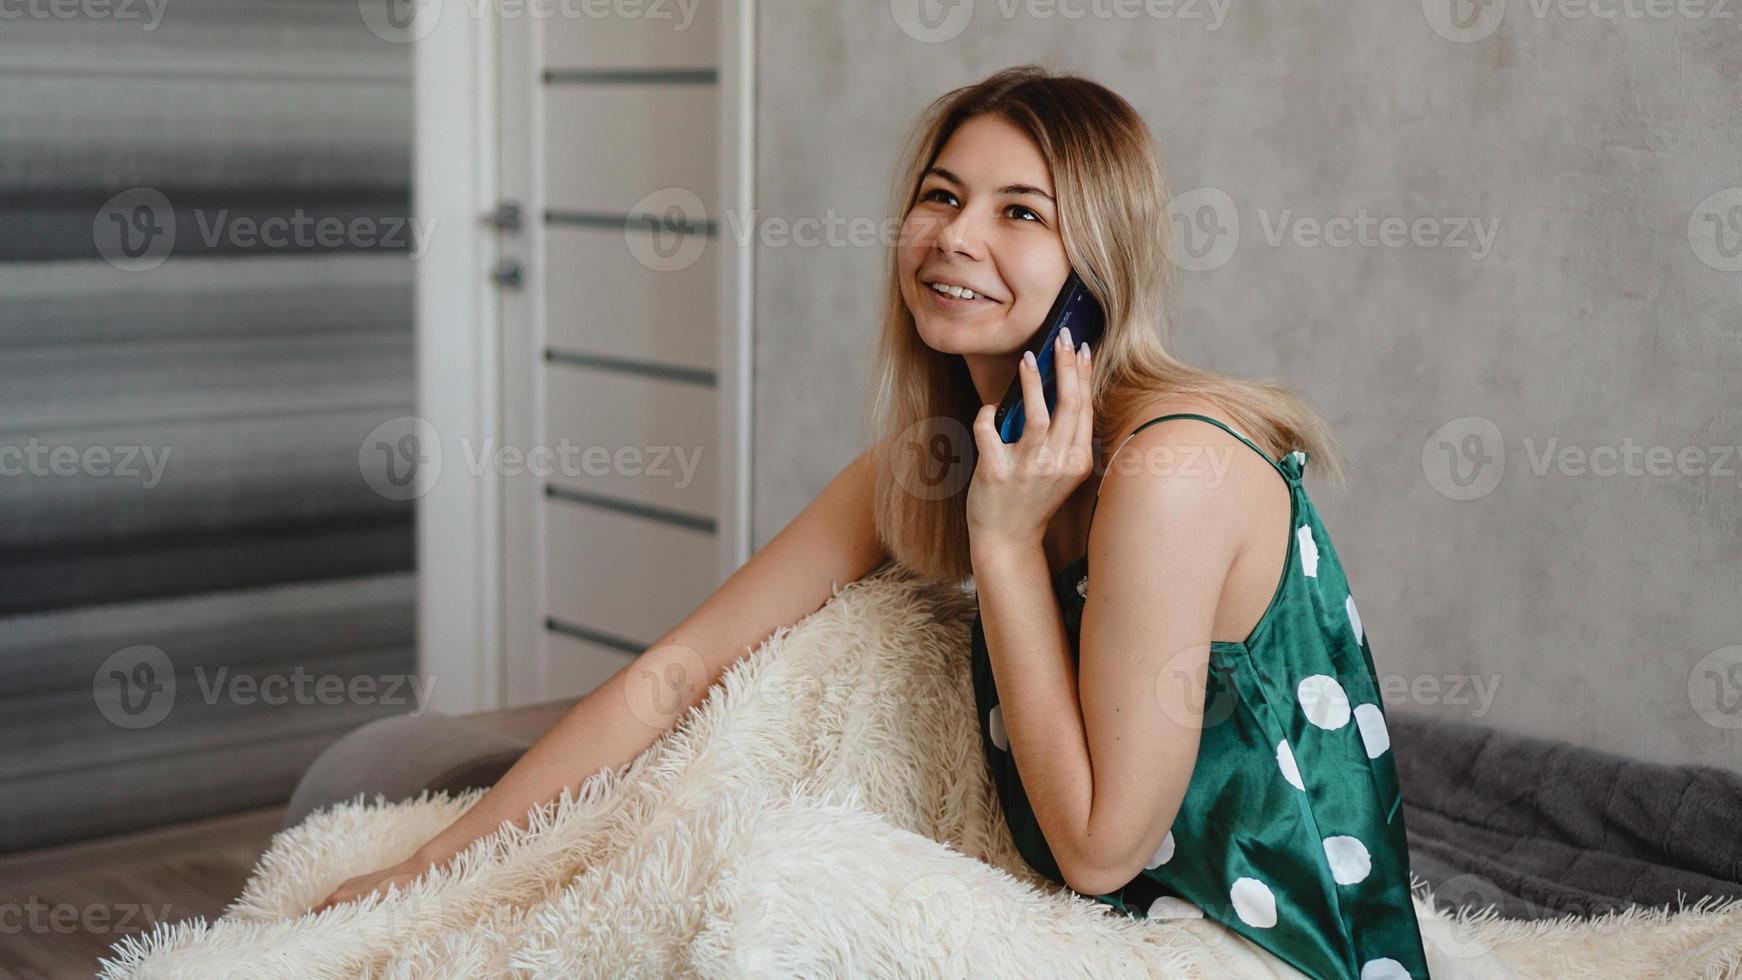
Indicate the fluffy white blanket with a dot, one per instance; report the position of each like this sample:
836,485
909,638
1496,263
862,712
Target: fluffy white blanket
824,812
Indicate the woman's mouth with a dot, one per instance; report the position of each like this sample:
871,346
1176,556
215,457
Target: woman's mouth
947,297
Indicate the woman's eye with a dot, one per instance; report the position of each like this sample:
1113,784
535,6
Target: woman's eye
946,197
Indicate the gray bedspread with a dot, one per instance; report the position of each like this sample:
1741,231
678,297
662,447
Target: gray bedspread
1545,829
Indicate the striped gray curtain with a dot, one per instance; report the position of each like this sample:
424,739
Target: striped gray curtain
205,309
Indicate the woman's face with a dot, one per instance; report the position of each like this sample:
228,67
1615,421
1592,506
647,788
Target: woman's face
984,219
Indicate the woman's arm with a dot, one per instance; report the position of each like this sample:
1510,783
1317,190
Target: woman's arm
831,542
1106,752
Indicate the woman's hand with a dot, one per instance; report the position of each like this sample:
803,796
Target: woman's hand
1017,488
400,875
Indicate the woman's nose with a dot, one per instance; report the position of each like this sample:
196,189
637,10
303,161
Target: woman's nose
962,234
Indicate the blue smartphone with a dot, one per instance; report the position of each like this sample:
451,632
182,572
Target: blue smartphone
1076,308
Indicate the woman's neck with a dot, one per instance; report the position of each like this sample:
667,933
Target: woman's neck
1067,536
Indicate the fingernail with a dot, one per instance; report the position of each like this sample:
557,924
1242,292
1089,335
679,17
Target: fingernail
1028,357
1085,352
1065,335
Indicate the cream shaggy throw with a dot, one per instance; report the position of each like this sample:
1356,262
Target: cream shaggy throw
824,812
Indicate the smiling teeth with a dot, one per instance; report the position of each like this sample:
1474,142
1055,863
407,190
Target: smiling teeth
956,291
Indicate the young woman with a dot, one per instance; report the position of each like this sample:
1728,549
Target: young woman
1198,731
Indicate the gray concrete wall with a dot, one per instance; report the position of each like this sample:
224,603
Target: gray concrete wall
1503,577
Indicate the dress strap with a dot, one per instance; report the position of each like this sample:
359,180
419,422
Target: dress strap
1291,465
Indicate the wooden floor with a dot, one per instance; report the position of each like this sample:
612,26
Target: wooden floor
62,908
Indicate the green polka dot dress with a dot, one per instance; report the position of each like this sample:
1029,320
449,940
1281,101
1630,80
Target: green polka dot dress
1291,830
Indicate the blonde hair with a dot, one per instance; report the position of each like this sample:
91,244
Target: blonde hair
1112,202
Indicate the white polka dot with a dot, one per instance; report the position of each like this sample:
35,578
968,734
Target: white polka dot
1285,762
1374,735
1253,903
1174,907
1309,551
1384,968
1350,862
999,738
1354,617
1323,700
1163,854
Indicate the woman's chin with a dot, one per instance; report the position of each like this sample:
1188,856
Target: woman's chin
949,337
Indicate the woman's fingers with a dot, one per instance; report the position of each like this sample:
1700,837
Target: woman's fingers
1086,392
1036,418
986,437
1069,381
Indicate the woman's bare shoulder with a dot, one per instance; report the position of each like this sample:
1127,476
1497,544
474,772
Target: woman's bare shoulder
1149,408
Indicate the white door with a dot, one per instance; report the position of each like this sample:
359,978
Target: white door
624,330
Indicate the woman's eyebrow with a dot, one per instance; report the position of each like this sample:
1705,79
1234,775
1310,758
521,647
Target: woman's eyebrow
1006,189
